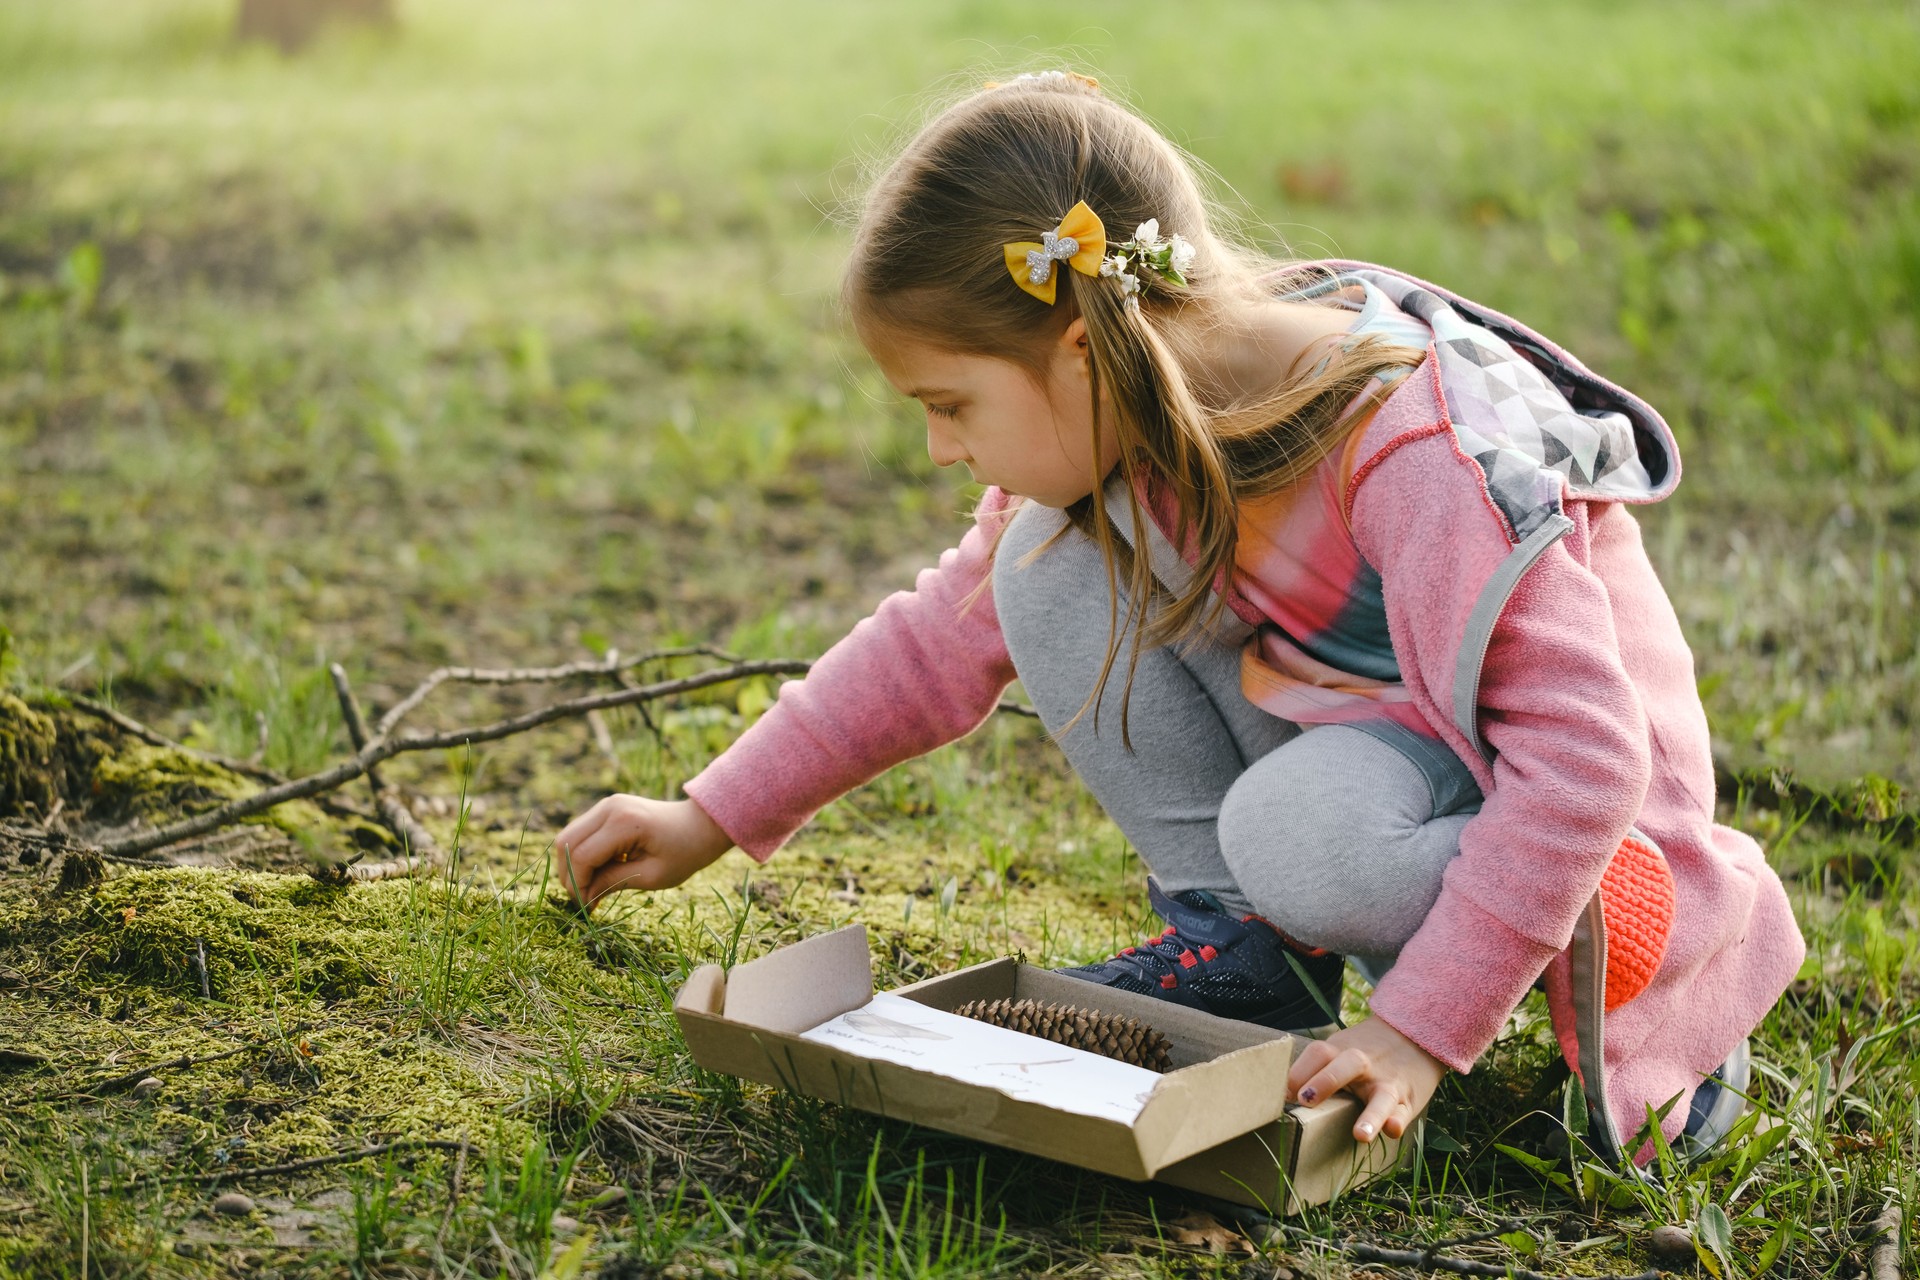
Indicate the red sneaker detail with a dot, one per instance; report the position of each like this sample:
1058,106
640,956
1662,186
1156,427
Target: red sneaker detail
1127,951
1208,953
1169,982
1188,960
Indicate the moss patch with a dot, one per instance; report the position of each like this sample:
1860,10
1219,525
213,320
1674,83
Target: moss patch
29,769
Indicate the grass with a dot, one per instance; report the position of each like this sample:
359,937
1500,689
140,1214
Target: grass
506,337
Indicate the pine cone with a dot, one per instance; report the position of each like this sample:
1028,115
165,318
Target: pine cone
1111,1035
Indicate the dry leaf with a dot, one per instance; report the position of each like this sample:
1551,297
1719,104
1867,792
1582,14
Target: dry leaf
1205,1231
127,914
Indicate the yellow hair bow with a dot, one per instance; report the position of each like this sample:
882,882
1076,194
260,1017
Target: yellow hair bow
1080,241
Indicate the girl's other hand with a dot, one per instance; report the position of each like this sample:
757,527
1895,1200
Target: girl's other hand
1391,1074
631,842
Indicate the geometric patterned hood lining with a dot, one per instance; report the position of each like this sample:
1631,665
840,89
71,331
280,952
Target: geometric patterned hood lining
1539,426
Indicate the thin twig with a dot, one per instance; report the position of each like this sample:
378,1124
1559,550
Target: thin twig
603,738
610,665
114,1084
421,850
1883,1259
1427,1258
200,968
154,738
178,1064
381,749
453,1195
1424,1260
311,1162
646,718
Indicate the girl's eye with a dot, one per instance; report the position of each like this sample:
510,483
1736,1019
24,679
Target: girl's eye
944,410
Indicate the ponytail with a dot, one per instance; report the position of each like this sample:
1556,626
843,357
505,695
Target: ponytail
1205,461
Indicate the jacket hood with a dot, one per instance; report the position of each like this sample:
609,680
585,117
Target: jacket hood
1540,426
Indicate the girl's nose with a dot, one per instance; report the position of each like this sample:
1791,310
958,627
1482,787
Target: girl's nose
944,451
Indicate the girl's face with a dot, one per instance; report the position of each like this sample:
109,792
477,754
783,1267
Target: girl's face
1032,439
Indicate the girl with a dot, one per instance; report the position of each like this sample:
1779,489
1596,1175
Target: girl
1399,683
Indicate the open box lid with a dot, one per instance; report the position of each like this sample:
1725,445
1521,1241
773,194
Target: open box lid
1228,1077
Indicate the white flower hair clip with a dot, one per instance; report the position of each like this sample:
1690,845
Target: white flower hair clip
1129,260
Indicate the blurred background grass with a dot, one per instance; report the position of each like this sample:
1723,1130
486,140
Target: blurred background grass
507,332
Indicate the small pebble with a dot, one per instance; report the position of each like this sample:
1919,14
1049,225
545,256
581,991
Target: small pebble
564,1226
1673,1244
233,1204
147,1088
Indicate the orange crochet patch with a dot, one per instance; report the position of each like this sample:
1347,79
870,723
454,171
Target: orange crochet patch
1636,897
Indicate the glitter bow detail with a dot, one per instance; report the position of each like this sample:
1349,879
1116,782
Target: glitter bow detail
1080,241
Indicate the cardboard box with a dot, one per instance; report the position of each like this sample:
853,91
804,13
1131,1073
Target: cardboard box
1215,1124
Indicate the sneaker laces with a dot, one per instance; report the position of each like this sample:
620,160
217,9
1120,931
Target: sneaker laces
1164,956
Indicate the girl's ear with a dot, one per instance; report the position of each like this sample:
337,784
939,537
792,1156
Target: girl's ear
1073,343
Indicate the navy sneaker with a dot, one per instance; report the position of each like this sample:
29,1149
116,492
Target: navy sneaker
1243,969
1717,1106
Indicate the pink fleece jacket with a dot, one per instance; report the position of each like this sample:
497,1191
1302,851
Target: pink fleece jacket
1586,697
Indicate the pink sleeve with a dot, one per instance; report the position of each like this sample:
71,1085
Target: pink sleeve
1555,701
923,670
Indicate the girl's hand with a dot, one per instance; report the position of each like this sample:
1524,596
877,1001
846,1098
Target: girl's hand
1391,1074
631,842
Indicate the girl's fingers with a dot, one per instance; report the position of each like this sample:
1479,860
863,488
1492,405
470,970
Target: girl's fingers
1316,1055
1379,1115
580,828
615,875
568,867
594,852
1347,1066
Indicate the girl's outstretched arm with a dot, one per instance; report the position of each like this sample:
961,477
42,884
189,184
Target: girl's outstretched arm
926,668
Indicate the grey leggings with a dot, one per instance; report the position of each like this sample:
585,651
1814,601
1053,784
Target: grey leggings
1338,835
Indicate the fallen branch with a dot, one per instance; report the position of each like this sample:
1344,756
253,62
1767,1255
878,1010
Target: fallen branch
311,1162
1883,1259
610,666
381,748
421,851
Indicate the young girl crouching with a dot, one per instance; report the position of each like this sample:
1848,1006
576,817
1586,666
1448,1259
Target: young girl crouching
1398,682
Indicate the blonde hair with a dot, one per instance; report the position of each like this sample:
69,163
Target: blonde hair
1004,164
